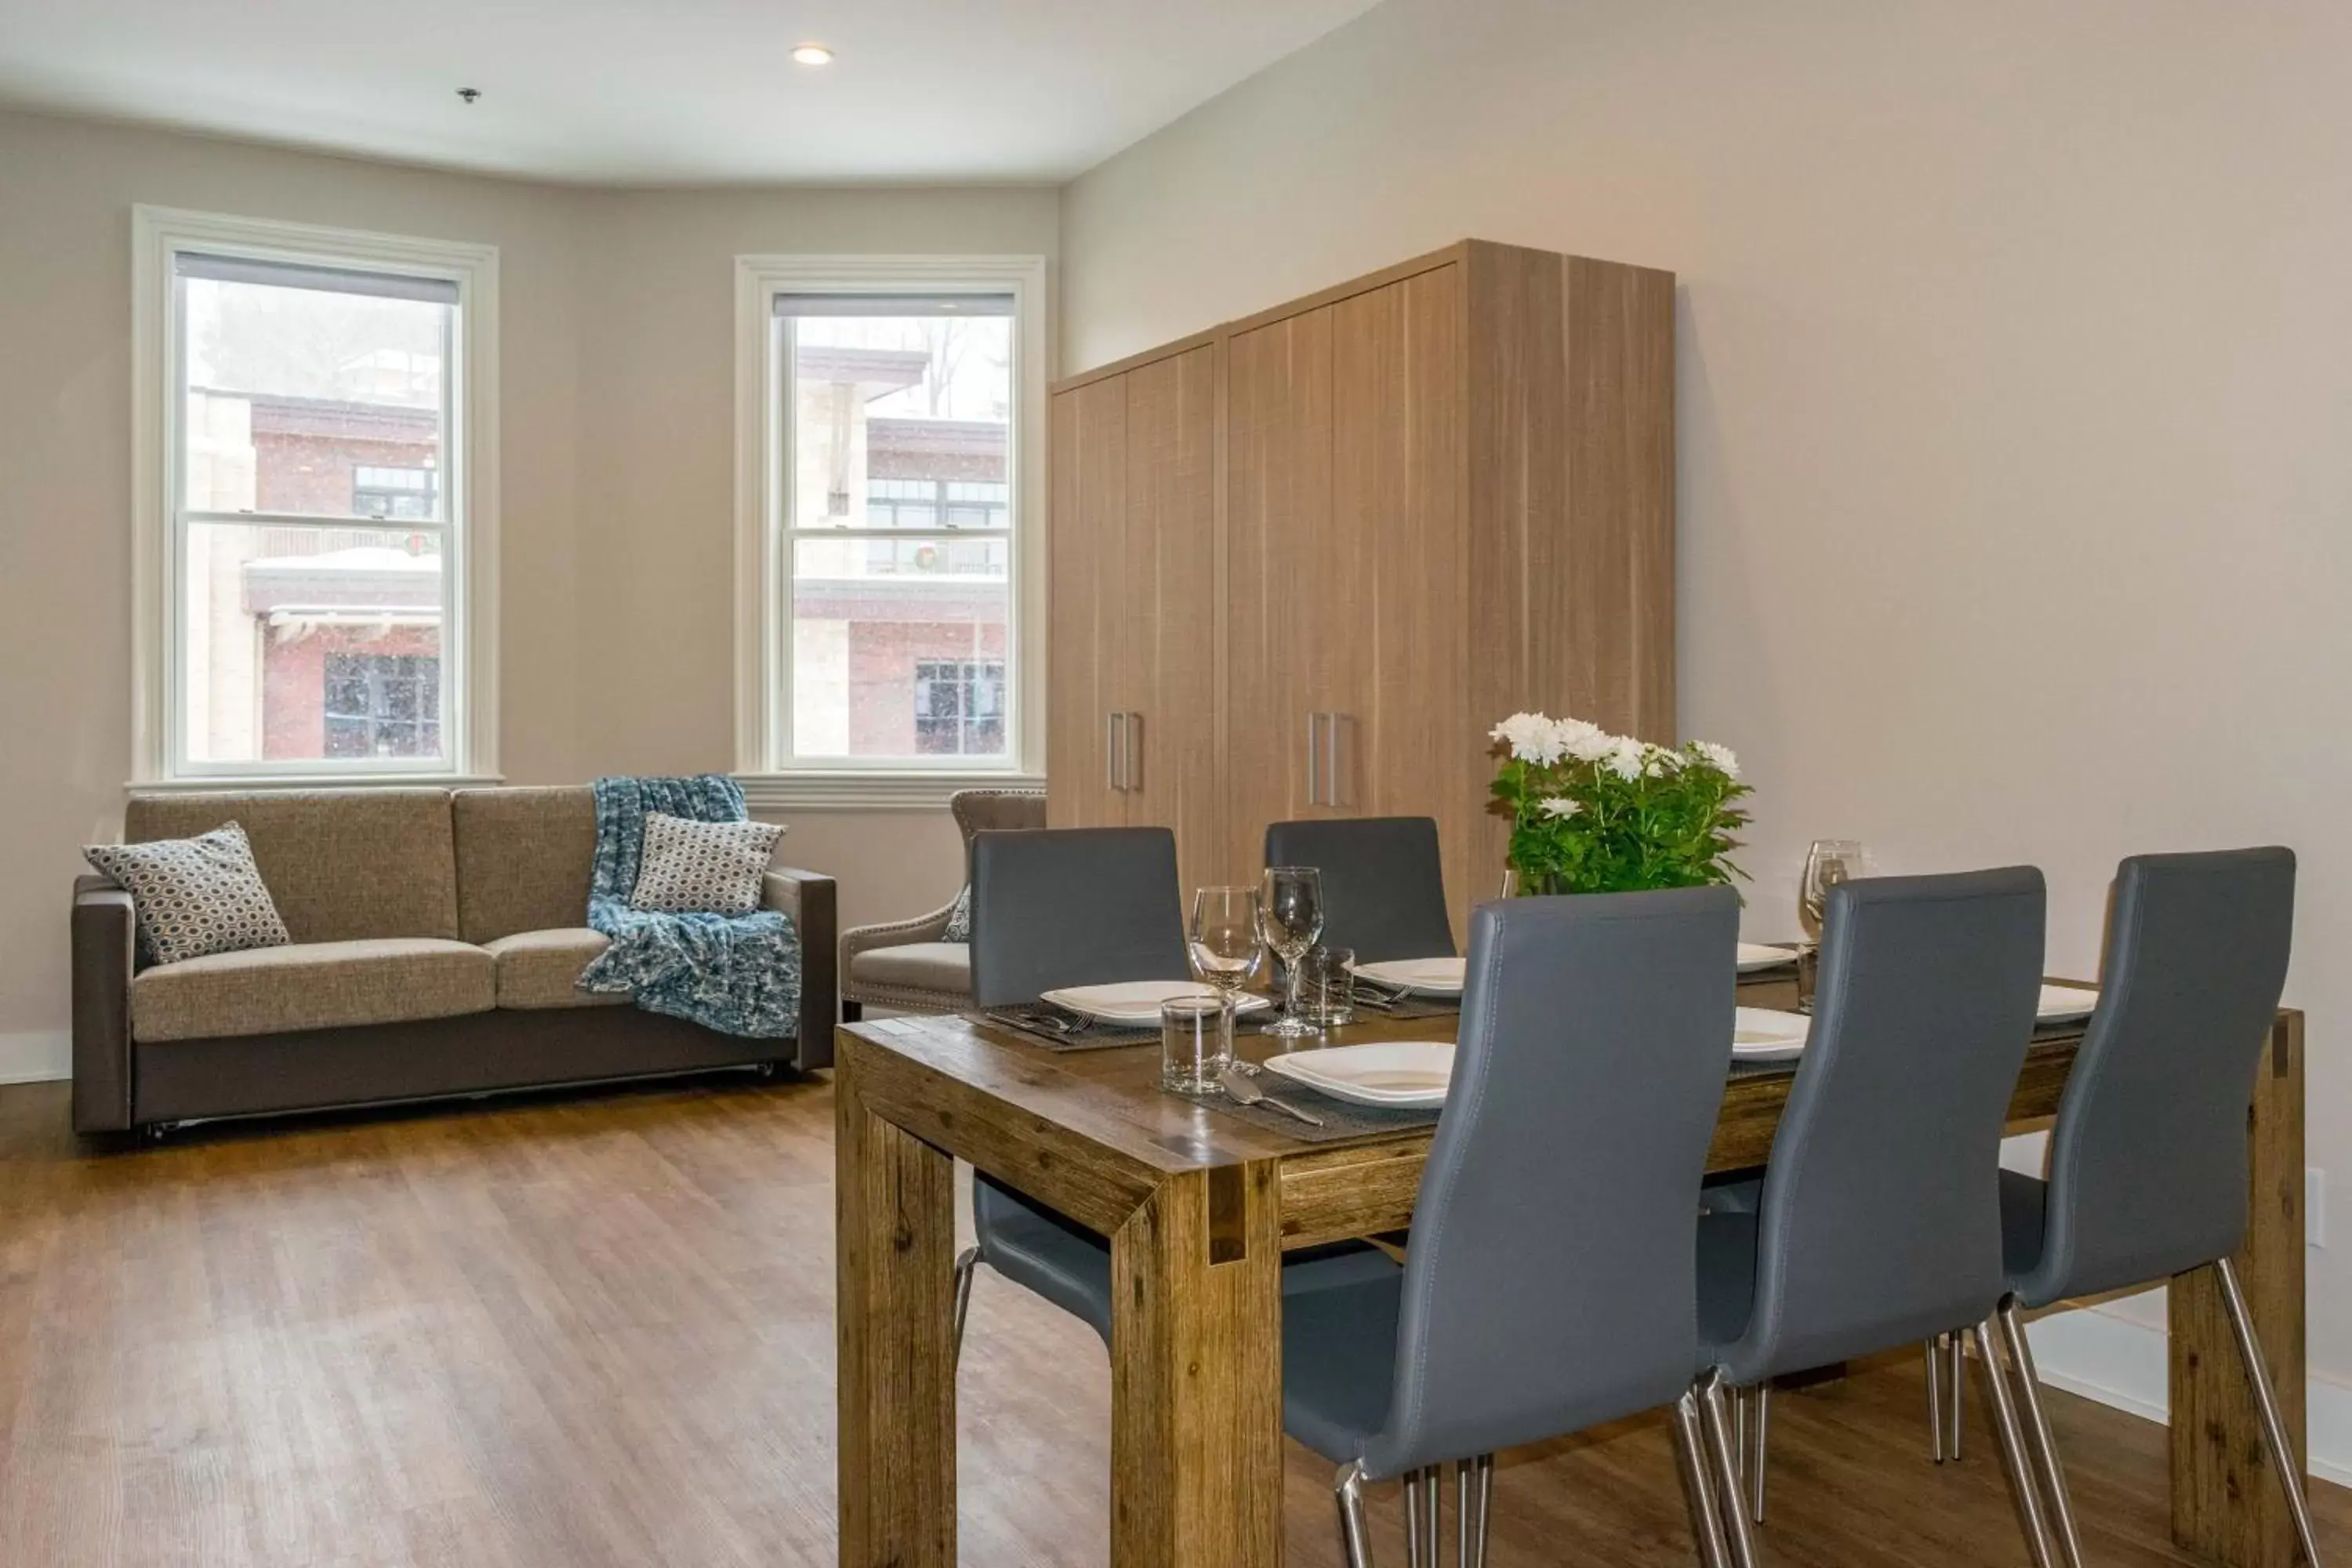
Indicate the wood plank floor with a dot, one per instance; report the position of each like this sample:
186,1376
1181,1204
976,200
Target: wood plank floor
584,1331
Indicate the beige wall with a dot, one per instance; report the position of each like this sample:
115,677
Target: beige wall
2015,378
617,482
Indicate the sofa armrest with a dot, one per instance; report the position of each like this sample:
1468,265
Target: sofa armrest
809,898
102,939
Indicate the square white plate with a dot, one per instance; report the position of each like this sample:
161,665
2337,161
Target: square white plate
1756,955
1134,1002
2059,1003
1427,976
1396,1073
1763,1035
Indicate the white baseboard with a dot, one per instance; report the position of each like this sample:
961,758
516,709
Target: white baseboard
36,1055
2104,1356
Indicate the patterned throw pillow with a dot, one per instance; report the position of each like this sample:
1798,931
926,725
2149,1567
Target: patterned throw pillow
702,867
960,917
193,895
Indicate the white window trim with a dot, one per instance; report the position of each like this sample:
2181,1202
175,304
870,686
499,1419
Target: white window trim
763,567
471,634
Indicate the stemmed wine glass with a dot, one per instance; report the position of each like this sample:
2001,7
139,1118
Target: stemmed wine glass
1290,915
1829,862
1227,950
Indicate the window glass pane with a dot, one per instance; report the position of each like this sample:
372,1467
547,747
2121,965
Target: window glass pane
895,663
305,400
303,643
895,418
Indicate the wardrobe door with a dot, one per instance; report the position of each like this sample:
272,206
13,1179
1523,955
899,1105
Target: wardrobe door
1408,746
1165,658
1088,568
1287,626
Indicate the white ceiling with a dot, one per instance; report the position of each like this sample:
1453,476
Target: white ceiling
660,91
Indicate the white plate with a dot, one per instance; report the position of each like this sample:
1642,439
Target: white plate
2059,1003
1398,1073
1134,1002
1762,1034
1428,976
1755,955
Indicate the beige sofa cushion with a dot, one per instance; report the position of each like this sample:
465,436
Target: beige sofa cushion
542,968
919,965
340,865
524,857
310,985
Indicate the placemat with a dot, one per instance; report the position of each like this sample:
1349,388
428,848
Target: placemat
1341,1119
1411,1005
1059,1031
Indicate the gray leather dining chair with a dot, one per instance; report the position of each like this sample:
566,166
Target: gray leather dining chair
2148,1159
1383,883
1549,1285
1879,1219
1080,906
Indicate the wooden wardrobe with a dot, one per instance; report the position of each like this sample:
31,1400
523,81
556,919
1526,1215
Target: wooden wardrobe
1302,562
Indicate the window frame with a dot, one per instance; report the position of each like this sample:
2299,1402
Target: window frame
771,775
467,479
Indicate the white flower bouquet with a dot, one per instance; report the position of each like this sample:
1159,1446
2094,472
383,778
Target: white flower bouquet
1596,812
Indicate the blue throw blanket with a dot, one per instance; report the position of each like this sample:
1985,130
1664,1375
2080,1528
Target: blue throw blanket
740,974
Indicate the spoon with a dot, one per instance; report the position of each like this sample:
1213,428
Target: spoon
1243,1092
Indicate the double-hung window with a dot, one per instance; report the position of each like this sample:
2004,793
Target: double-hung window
889,410
315,503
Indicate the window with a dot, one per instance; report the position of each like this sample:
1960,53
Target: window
314,493
960,708
394,492
888,413
383,705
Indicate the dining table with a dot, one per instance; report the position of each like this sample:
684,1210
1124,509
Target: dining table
1199,1204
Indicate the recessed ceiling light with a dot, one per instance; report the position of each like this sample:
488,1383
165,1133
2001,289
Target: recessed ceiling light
812,55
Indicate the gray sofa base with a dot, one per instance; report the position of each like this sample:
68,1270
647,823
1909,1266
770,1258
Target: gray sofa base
440,1058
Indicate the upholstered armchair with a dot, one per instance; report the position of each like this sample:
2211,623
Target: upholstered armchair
910,965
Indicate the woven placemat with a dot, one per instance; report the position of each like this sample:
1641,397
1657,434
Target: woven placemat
1341,1119
1410,1007
1063,1031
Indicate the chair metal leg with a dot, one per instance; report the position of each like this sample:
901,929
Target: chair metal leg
2283,1457
1432,1538
1742,1544
1935,1359
2012,1450
1474,1501
1355,1535
966,1264
1958,1381
1763,1400
1413,1555
1698,1487
2044,1451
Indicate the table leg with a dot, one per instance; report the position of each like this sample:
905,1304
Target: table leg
2227,1505
894,1240
1196,1374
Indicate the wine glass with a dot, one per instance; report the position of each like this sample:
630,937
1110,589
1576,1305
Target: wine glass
1829,862
1290,916
1226,946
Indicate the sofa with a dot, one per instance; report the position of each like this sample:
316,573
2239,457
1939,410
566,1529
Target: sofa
437,937
909,966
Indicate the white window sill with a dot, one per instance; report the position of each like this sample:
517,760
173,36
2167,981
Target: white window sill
896,790
251,783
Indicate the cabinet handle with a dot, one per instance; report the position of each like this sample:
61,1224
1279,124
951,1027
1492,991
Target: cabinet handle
1343,795
1131,758
1110,754
1314,757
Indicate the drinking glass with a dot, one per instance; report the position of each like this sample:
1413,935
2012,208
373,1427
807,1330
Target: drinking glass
1326,987
1290,915
1829,862
1196,1043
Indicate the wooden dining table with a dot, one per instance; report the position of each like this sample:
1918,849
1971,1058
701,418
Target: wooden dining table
1200,1206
